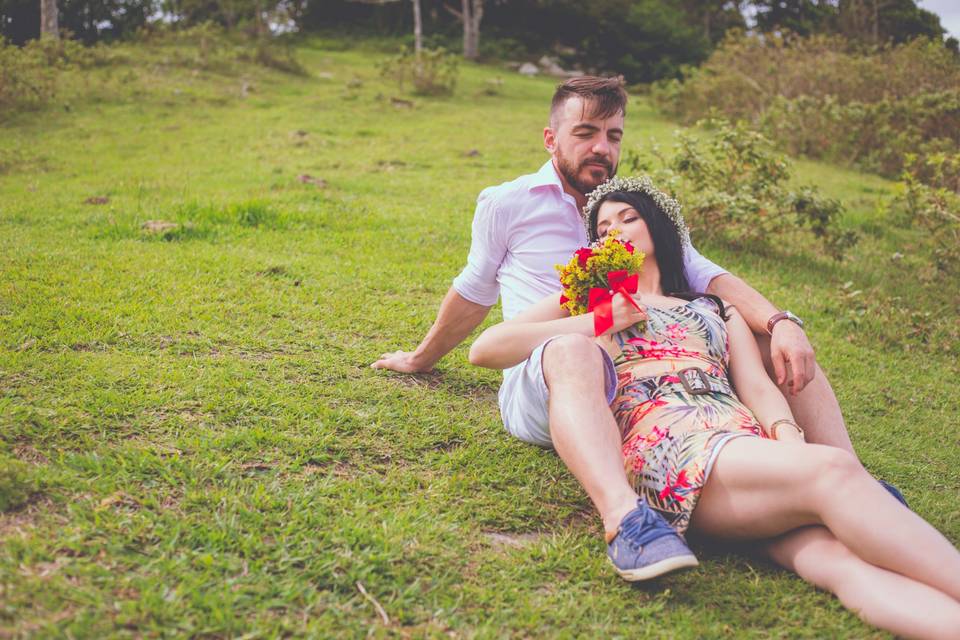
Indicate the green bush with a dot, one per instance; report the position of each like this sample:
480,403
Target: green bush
269,54
875,136
431,71
27,80
211,47
934,207
821,98
734,189
29,75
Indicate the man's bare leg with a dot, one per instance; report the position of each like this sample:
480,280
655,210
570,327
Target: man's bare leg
582,427
815,408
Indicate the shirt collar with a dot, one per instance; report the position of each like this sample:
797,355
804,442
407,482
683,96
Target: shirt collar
546,177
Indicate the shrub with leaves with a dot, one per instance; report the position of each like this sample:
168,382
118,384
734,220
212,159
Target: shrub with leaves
431,71
734,188
823,98
29,74
934,206
27,79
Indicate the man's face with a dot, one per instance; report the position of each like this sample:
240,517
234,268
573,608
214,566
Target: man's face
586,149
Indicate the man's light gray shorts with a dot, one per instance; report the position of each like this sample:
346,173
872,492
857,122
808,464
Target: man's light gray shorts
524,397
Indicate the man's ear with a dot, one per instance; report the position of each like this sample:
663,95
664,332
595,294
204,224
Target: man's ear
549,139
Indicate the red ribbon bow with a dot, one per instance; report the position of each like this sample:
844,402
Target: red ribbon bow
601,300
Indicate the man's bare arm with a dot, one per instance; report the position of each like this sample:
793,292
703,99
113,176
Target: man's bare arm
788,344
456,318
753,307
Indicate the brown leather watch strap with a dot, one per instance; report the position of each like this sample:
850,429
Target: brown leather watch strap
774,319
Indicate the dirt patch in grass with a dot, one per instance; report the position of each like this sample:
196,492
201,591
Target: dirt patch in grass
500,540
27,628
30,454
21,521
44,570
421,380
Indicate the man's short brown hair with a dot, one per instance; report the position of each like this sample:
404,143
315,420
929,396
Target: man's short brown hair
604,97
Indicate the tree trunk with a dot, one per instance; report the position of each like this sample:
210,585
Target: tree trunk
258,19
472,15
417,27
49,23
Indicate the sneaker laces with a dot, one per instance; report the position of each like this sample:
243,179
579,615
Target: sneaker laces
643,525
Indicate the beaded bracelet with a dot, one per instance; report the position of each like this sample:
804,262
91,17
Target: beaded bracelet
773,428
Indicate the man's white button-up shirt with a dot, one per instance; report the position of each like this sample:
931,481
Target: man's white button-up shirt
521,229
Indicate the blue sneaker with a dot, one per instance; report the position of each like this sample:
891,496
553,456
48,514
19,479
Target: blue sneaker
645,546
892,490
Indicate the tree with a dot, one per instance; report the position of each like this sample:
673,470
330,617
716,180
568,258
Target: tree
873,22
417,28
715,17
470,15
644,40
803,17
48,19
417,20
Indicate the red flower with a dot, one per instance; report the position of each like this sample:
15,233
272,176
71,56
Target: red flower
563,299
628,246
583,255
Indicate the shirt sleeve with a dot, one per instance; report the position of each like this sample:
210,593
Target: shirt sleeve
478,281
699,270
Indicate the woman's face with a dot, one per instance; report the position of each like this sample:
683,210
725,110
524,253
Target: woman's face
625,219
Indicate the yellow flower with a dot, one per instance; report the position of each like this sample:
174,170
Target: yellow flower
589,266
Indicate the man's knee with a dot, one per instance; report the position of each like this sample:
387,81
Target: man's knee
572,357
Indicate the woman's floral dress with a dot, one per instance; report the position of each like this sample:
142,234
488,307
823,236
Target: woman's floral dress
672,433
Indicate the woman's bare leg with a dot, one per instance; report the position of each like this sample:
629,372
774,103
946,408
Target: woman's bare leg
882,598
763,488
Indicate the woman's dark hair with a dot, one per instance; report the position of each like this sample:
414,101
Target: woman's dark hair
666,241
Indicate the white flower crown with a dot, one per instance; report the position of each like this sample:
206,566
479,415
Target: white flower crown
643,184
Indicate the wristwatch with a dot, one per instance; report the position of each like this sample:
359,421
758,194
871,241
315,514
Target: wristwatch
783,315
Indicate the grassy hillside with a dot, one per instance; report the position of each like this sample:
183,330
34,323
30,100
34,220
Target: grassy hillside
192,443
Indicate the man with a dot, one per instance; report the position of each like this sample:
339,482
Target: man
559,397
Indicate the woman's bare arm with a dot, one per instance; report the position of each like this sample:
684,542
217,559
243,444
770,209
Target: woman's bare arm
511,342
754,387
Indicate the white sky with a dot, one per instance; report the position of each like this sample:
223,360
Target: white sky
949,12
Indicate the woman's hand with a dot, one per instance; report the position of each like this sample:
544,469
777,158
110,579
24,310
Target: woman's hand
625,315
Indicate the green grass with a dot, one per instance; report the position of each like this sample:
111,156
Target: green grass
191,442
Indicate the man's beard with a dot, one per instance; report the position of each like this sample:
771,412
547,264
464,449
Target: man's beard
572,174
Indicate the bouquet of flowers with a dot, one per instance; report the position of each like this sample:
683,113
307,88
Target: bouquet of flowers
595,274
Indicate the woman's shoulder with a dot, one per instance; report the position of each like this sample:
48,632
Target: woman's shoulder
715,304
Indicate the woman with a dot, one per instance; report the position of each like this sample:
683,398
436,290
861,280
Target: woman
734,465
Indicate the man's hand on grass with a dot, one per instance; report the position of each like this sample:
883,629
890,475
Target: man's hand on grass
401,362
792,355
